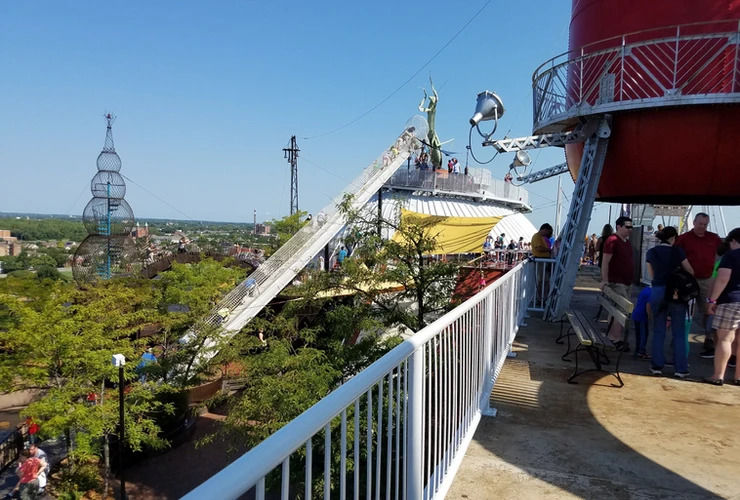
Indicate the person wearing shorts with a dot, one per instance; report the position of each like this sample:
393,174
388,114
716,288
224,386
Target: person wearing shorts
724,303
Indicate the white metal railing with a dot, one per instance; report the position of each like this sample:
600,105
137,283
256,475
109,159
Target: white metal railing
399,429
478,183
679,65
539,283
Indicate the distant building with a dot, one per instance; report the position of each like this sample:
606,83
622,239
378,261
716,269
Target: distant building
140,232
9,245
262,229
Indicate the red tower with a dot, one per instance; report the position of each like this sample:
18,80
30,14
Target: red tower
669,74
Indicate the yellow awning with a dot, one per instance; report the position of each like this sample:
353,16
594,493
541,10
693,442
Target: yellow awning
454,234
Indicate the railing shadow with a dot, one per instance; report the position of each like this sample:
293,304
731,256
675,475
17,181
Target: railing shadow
569,435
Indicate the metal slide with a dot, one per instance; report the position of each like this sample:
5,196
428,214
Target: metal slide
249,297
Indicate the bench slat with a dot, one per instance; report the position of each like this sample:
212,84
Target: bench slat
617,313
619,300
596,336
582,327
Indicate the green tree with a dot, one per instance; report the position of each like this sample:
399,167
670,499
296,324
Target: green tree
286,227
379,265
42,259
185,295
60,339
48,272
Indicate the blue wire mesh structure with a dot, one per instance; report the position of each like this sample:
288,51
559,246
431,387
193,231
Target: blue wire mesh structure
108,250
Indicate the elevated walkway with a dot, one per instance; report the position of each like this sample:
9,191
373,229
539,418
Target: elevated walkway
654,438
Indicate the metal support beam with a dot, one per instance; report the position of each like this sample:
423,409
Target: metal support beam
579,134
576,225
541,175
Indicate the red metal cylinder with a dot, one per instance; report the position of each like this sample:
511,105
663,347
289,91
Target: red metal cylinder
674,154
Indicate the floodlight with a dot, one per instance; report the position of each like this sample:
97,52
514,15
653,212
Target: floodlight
489,106
521,159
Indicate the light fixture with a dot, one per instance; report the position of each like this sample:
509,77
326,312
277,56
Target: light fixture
521,159
489,106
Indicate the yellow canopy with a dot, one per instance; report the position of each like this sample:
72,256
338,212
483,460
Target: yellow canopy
455,234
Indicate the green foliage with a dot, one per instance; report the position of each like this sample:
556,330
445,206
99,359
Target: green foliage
378,265
194,289
21,274
45,229
48,272
286,227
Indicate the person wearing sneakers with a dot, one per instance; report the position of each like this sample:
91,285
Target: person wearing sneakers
700,247
724,303
662,260
721,251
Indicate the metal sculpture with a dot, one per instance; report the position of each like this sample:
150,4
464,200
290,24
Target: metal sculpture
435,153
108,250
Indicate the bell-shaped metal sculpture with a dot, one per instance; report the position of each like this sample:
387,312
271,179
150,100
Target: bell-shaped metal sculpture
108,250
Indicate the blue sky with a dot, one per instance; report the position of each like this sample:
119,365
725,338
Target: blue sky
208,93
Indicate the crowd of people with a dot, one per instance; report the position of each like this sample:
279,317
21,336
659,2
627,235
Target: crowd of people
694,276
499,251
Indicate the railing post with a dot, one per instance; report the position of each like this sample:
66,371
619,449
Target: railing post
415,422
488,343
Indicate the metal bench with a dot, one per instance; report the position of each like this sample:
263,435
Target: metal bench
591,339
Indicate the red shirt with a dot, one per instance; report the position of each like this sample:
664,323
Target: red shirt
700,251
28,469
621,265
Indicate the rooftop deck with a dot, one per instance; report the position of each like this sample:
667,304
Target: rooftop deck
478,185
654,438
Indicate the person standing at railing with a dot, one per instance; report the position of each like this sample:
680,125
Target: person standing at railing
541,250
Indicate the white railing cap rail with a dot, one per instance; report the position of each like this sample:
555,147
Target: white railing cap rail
244,472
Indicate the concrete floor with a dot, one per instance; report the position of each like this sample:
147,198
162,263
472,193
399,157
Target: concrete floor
654,438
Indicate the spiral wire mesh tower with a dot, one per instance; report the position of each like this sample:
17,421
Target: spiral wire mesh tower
108,249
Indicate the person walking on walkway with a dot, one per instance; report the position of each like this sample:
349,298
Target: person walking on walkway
662,261
28,471
700,247
724,303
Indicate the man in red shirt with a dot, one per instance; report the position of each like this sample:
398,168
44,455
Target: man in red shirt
700,247
618,270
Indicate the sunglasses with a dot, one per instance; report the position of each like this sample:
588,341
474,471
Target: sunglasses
628,227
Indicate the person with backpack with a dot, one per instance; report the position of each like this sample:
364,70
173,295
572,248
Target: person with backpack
724,304
667,267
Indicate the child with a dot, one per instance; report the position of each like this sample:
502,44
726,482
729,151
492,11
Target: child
642,317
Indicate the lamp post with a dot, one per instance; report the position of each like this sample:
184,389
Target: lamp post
120,361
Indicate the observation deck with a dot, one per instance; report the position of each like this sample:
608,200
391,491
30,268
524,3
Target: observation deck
687,65
478,185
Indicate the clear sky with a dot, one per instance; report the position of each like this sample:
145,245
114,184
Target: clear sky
208,93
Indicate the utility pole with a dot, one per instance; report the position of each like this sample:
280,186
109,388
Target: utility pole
291,154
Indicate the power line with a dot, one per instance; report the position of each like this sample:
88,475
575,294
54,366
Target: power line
157,197
87,186
407,81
